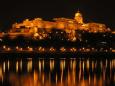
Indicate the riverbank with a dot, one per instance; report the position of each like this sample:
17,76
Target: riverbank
56,55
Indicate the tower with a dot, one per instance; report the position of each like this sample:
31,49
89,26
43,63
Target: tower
78,17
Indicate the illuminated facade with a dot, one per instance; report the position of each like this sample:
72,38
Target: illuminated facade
59,23
78,17
38,28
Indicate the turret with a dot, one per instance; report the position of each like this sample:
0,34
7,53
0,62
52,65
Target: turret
78,17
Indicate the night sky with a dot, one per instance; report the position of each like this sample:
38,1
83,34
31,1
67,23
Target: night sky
102,11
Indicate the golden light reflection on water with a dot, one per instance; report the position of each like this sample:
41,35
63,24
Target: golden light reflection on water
17,66
29,66
39,66
21,65
4,66
73,72
62,65
51,65
8,64
1,74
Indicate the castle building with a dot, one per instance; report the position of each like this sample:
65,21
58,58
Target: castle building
39,26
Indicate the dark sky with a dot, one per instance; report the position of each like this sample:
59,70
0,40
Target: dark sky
102,11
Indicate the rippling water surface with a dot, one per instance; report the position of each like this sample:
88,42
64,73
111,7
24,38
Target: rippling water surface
57,72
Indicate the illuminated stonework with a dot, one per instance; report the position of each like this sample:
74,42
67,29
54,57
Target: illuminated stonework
78,17
39,29
59,23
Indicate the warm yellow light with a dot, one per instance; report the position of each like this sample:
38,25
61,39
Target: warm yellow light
1,74
62,49
51,65
40,29
4,66
62,65
17,47
30,48
52,49
73,49
8,49
29,66
39,63
41,49
8,64
17,68
78,17
4,46
36,35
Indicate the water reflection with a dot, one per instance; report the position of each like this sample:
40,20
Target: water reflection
61,72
